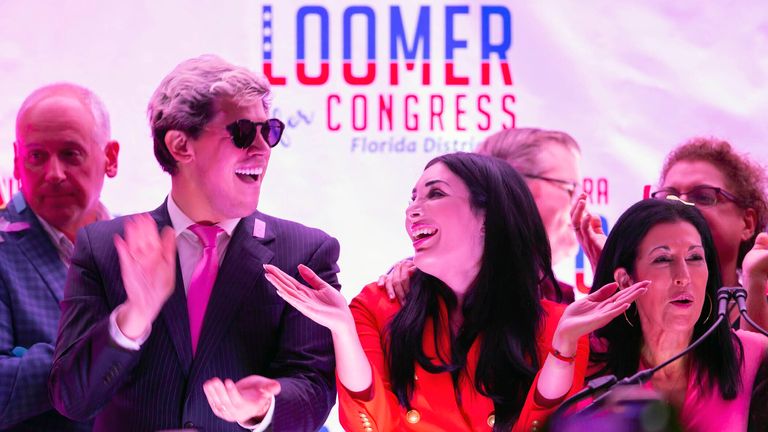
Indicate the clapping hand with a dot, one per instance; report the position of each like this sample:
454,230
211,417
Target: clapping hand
755,265
148,267
246,401
755,273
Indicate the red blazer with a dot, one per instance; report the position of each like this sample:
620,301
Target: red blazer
434,406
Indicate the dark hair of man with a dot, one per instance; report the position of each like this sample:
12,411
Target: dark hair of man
501,307
717,361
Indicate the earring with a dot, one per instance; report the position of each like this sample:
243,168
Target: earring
709,314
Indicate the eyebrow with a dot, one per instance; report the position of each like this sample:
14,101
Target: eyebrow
691,188
667,248
431,182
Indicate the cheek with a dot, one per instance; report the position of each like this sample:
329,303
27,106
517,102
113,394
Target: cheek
699,277
650,303
544,207
29,177
83,178
721,222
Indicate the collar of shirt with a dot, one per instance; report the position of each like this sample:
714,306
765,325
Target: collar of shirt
63,244
181,221
188,246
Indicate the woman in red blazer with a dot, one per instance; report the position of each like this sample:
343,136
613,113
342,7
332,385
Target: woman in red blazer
472,347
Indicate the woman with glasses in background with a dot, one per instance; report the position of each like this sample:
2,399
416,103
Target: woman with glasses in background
729,190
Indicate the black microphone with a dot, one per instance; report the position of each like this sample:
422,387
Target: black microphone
740,295
723,294
592,387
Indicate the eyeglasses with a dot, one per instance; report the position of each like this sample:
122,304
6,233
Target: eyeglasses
701,196
243,132
568,186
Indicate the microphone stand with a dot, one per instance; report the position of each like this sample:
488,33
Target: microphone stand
592,387
644,375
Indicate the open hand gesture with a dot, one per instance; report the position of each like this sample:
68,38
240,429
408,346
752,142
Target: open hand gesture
594,311
322,303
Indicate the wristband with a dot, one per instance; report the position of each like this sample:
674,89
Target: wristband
561,357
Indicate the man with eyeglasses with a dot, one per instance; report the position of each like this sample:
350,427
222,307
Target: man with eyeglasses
160,307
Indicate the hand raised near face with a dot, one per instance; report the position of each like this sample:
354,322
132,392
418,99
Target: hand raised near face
588,229
593,312
397,281
321,303
148,268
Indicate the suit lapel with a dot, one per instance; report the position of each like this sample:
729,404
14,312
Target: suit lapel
174,312
240,272
38,248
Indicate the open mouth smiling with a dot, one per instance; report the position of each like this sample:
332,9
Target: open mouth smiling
249,175
422,233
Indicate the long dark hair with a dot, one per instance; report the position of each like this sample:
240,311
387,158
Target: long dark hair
501,308
717,360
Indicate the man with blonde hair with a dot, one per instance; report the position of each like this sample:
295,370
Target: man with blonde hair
62,152
160,306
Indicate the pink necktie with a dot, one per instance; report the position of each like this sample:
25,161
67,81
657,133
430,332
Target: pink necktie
203,277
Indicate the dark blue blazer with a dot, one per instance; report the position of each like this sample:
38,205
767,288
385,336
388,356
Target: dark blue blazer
247,330
31,285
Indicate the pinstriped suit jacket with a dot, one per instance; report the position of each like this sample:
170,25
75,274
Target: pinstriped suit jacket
247,330
31,285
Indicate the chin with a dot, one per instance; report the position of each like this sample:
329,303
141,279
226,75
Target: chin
240,212
680,323
236,207
428,265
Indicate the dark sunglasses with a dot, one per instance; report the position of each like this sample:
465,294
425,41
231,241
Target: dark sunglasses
243,132
702,196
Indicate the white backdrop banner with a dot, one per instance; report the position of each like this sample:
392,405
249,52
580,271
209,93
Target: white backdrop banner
371,91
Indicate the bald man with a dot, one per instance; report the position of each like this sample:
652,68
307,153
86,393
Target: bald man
62,152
